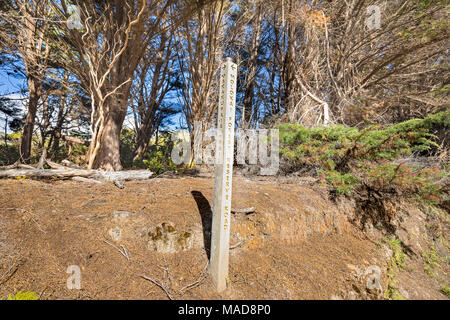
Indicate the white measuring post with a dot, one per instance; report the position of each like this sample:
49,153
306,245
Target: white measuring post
220,237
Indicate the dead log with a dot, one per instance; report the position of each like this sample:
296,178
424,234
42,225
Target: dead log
123,175
11,166
55,165
69,164
81,179
72,139
37,173
17,165
69,173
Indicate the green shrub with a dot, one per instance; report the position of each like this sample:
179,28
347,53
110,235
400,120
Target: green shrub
158,162
339,144
446,290
127,147
343,183
395,265
398,256
8,154
386,177
348,157
431,260
156,159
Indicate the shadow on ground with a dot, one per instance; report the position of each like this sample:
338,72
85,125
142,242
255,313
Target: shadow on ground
206,214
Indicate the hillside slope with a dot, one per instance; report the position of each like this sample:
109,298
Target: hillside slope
298,244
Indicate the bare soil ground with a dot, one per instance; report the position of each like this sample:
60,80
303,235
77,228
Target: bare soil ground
298,244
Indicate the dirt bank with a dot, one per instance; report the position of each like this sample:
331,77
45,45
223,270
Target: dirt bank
298,244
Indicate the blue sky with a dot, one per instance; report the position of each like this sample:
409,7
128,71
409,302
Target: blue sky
10,87
9,84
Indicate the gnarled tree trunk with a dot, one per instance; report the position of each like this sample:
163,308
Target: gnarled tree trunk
105,148
248,108
34,94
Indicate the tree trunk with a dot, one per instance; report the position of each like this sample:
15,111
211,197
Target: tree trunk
25,145
57,132
145,132
6,133
252,71
46,124
143,140
108,155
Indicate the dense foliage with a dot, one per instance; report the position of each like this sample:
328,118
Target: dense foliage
347,157
153,66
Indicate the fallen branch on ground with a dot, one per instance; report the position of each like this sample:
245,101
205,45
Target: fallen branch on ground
81,179
16,165
158,284
245,210
12,269
119,185
202,277
167,288
54,165
8,271
122,251
70,173
42,173
237,245
69,164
